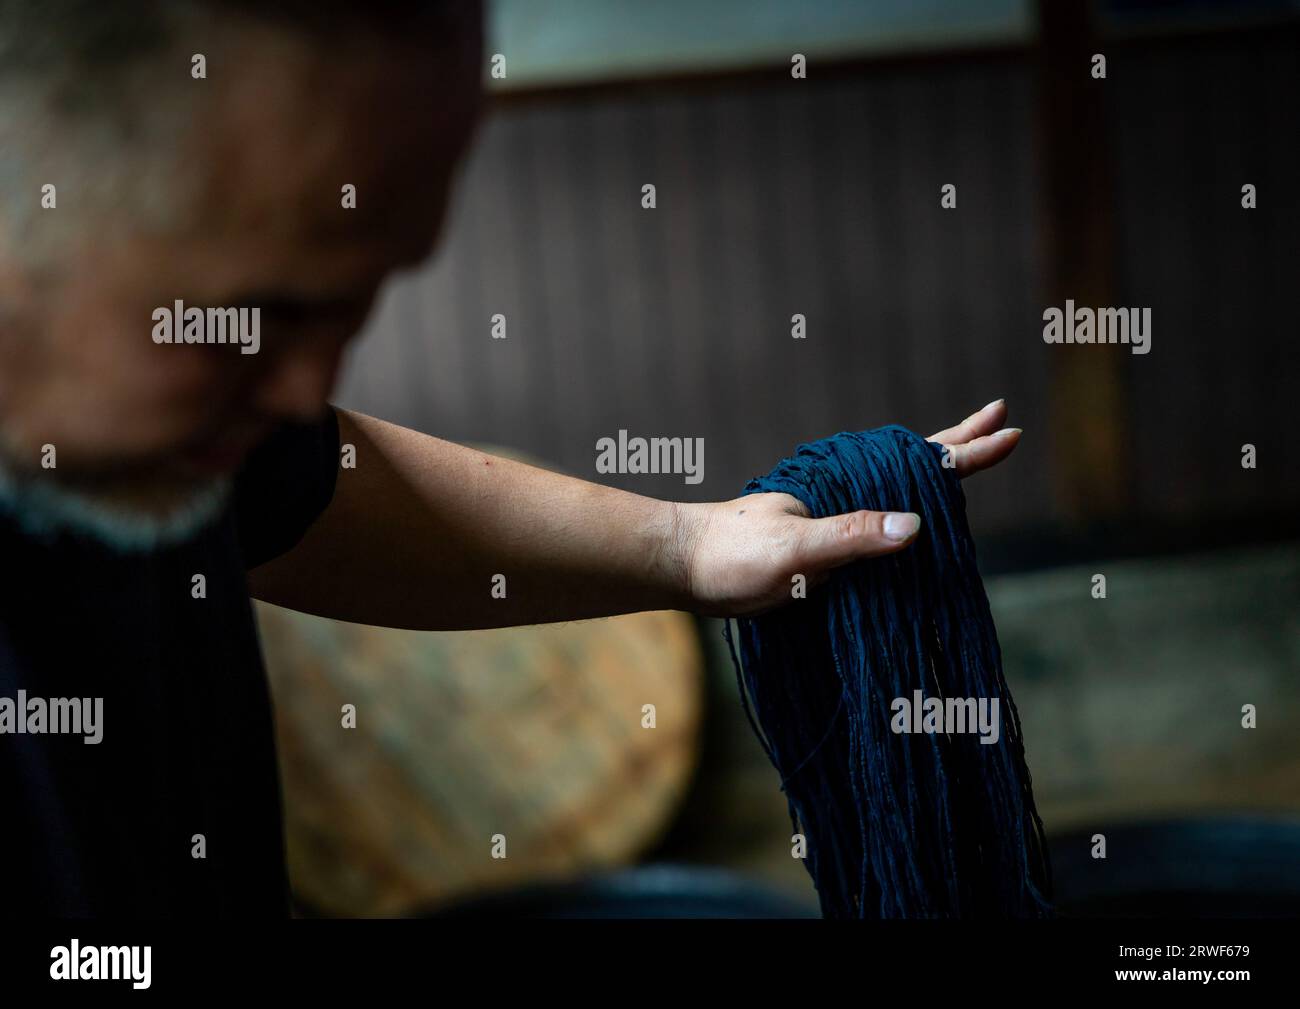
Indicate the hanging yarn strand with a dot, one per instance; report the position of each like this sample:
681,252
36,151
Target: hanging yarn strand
899,823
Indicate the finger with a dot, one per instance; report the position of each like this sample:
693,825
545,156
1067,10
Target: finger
981,422
984,452
839,539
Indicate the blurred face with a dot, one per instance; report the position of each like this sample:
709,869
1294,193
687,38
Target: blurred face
147,428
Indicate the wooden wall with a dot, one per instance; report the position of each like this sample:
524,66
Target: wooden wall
822,197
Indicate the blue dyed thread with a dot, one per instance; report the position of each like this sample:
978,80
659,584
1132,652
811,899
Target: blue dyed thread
929,825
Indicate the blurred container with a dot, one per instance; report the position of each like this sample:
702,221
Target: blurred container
533,733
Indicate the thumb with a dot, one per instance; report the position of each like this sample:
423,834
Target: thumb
839,539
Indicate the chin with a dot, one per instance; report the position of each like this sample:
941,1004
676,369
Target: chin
136,518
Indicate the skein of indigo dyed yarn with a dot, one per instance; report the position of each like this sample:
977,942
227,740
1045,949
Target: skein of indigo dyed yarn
898,824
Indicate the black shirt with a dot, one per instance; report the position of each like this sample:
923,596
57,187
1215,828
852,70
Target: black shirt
188,746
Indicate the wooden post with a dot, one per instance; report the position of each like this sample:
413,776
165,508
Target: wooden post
1091,447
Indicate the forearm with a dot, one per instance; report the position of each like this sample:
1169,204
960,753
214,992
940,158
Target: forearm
417,533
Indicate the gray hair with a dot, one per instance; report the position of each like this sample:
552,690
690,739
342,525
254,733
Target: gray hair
81,81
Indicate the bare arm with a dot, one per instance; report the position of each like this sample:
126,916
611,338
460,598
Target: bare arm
417,531
415,534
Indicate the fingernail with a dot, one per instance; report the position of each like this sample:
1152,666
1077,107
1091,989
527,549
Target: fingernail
901,525
1011,430
994,403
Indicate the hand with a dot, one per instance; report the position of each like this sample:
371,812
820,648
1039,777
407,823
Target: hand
740,556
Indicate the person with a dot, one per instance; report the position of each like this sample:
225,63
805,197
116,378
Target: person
149,487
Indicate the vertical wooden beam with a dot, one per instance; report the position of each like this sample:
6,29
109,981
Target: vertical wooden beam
1092,476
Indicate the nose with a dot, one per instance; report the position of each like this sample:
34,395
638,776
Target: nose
299,380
